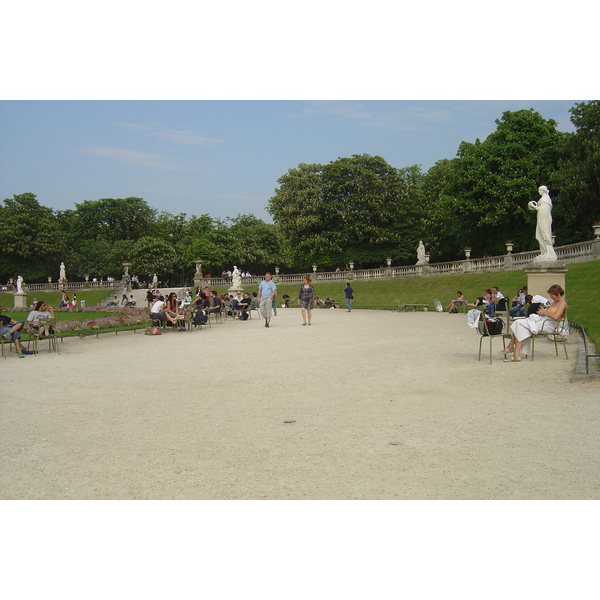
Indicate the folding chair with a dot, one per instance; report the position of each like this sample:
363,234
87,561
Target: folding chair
484,332
559,336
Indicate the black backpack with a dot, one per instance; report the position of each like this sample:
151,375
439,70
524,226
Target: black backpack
494,326
501,304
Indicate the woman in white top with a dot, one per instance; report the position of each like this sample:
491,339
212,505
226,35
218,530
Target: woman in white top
158,312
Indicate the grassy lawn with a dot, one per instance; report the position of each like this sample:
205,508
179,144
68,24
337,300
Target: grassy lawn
53,299
91,297
582,282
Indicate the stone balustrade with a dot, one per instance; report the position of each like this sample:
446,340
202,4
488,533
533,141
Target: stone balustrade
572,253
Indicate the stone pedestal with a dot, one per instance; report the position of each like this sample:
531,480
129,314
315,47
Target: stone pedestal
467,265
233,291
542,275
20,299
198,277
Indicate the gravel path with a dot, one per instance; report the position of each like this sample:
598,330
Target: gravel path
361,405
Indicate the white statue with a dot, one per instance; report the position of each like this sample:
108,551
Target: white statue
543,231
421,253
62,275
19,285
154,281
237,278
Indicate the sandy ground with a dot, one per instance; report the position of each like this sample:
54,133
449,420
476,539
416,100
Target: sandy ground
361,405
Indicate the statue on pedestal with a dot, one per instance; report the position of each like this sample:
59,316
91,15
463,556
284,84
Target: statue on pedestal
19,285
421,260
236,281
543,230
62,277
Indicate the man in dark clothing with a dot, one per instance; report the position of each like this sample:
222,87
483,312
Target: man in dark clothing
348,291
11,332
216,303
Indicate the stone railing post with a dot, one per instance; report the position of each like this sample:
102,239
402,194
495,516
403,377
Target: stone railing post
466,265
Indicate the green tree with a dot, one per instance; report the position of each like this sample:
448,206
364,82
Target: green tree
206,250
151,255
492,182
248,242
31,244
112,219
577,180
298,208
440,227
99,234
352,209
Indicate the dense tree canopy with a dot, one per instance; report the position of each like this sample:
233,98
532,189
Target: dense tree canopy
578,176
30,239
352,209
489,185
97,237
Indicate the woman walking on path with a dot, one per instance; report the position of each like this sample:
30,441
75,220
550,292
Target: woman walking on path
306,298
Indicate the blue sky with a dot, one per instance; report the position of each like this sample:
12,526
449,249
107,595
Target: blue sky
222,158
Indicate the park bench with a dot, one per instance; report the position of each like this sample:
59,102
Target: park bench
414,307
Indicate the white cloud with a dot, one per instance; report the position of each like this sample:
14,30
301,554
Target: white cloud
414,118
132,157
133,126
187,138
344,109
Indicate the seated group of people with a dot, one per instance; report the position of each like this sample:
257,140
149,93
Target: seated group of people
11,329
325,303
492,300
64,300
239,305
130,301
174,310
530,315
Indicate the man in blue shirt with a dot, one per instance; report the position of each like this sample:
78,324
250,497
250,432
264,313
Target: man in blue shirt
348,292
266,292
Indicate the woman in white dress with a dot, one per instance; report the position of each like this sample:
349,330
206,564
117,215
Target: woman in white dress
522,329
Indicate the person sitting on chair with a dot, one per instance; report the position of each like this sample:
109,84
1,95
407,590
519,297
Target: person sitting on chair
483,300
159,312
202,305
458,301
244,305
41,312
216,303
11,332
497,302
546,319
518,310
